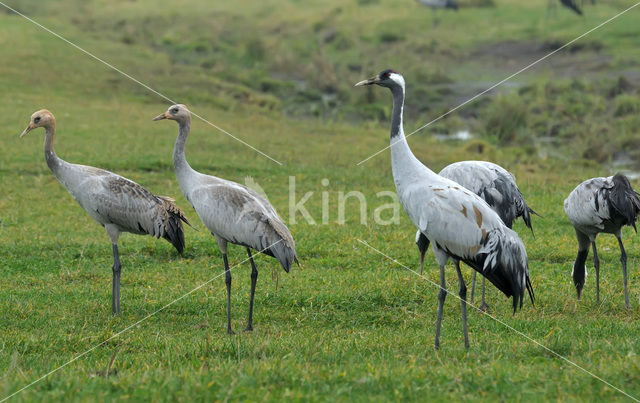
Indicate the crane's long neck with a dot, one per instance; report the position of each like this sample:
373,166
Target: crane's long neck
404,164
53,162
180,163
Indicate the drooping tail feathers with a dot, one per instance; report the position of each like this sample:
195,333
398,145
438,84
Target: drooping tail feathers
280,243
624,200
172,221
505,264
524,211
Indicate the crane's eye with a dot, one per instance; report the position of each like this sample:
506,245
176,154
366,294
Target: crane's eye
36,120
174,110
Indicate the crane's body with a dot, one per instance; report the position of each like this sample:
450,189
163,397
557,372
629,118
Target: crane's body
572,5
115,202
600,205
231,212
458,223
496,186
434,5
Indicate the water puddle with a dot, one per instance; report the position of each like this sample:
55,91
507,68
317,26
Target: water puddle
460,135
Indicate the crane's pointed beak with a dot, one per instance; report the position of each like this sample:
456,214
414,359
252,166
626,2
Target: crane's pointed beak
372,80
160,117
27,130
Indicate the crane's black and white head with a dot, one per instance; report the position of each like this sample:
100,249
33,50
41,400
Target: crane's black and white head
387,78
176,112
41,118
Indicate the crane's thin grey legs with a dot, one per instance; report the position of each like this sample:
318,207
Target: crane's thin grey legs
463,303
227,281
596,264
115,291
484,307
441,296
473,285
254,280
623,259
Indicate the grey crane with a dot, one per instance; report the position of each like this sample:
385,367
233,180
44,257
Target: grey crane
460,224
438,4
570,4
498,188
232,212
115,202
601,205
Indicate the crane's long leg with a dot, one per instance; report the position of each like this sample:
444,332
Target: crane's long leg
115,290
484,307
441,296
473,285
623,259
596,264
254,280
463,303
227,281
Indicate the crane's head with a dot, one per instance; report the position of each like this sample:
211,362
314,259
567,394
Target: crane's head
177,112
387,78
41,118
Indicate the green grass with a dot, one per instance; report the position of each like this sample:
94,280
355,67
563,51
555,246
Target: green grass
349,324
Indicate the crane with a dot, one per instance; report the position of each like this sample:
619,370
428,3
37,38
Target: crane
460,225
436,4
570,4
601,205
498,188
115,202
232,213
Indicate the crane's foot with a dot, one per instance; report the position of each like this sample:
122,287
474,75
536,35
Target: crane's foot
230,332
484,307
249,328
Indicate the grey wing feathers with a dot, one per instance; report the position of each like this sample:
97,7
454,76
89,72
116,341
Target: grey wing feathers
242,216
624,201
281,244
172,219
506,265
134,209
495,185
586,205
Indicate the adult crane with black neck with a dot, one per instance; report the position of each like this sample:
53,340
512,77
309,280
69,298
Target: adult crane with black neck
458,223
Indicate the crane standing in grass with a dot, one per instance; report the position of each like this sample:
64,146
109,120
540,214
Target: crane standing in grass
460,225
115,202
232,212
570,4
436,4
498,188
601,205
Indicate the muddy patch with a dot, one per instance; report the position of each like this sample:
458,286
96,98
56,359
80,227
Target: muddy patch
573,61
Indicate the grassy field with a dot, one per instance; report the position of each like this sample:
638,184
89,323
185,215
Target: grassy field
349,324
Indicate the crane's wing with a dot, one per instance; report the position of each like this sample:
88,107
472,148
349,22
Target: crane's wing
457,221
587,206
461,224
495,185
242,216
